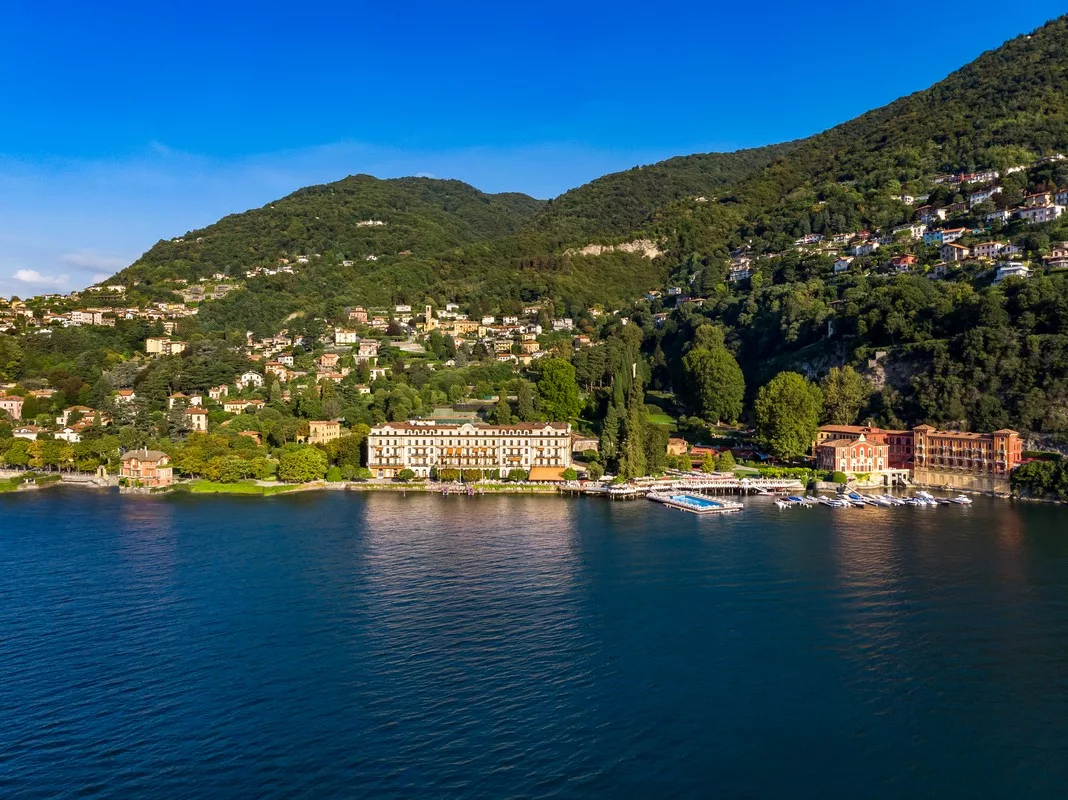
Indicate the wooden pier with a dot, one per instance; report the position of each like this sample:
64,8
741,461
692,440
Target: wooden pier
710,485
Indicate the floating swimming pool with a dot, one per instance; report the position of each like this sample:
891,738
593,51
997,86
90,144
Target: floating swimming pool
696,503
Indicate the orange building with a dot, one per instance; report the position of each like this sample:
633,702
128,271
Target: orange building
147,467
899,443
982,454
859,455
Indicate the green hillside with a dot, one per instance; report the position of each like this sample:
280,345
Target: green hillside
444,240
419,215
624,202
1003,109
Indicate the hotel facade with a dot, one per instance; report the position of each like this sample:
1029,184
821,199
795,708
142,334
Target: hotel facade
542,448
956,459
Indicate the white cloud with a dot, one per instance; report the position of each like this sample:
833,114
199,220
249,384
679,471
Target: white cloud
33,276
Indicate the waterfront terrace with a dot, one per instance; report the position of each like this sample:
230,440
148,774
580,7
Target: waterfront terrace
423,445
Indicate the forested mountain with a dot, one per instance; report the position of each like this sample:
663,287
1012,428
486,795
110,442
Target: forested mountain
434,240
624,202
354,218
1003,109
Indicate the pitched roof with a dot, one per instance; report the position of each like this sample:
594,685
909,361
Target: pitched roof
143,455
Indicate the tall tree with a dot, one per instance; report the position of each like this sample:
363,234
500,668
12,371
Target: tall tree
787,414
845,393
502,411
558,390
714,384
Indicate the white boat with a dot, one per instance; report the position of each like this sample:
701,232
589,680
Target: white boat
961,500
783,504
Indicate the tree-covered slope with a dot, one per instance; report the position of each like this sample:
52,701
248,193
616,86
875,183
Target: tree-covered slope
623,202
417,215
1004,108
446,240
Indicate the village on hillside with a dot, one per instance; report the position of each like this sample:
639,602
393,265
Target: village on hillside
440,392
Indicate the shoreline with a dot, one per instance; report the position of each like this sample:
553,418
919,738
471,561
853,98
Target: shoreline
274,488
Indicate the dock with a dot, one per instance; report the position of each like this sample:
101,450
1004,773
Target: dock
711,485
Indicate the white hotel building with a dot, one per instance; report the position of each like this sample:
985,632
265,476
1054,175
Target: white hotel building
544,448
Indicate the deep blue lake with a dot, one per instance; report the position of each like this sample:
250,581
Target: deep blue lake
341,645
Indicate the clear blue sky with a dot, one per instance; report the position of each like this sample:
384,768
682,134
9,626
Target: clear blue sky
126,123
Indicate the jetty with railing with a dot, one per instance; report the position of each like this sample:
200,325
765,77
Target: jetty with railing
710,485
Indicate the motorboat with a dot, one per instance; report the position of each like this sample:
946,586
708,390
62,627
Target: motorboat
961,500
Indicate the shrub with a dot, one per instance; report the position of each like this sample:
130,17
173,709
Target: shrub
517,475
594,472
448,474
570,474
362,474
839,477
472,474
406,475
333,475
348,472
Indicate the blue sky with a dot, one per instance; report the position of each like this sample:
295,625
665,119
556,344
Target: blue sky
127,123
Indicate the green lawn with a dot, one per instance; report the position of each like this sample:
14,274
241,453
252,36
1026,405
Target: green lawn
663,419
211,487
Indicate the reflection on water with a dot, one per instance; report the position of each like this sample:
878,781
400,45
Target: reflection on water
389,646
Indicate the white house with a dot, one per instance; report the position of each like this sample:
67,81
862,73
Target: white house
1039,214
345,336
842,264
248,379
987,249
1012,269
68,434
865,249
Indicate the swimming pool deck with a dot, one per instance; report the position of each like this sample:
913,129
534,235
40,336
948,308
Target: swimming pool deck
695,504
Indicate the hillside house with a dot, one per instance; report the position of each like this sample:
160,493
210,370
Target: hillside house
987,249
954,252
1012,269
345,336
842,264
902,263
11,405
249,380
1036,215
197,418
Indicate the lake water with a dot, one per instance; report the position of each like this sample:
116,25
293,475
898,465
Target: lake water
340,645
